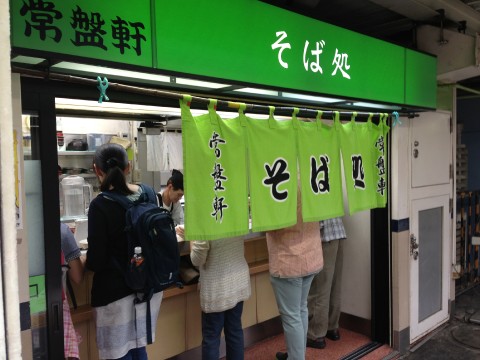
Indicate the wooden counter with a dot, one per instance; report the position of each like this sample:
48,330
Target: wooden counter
179,323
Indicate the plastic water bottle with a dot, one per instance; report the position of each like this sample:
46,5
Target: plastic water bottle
137,256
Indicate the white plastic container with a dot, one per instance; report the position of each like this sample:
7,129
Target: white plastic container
81,230
94,141
76,196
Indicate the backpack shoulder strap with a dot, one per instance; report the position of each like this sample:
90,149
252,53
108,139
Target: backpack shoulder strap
150,193
119,198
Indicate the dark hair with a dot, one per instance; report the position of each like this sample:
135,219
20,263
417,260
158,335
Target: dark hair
176,180
112,159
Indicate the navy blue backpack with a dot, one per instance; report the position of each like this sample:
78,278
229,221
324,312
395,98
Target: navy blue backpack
150,227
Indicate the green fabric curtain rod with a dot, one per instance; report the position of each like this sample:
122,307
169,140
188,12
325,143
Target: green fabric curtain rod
221,104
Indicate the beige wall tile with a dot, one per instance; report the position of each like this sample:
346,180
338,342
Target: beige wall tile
250,251
261,250
249,315
171,329
26,338
266,303
193,320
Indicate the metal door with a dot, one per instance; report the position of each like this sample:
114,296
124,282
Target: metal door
431,149
430,221
429,264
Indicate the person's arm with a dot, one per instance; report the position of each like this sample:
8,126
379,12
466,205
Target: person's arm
179,229
76,269
199,252
72,254
98,253
177,213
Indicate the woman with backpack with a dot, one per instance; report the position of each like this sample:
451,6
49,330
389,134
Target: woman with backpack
120,322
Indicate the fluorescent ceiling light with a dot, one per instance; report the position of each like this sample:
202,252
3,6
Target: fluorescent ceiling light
118,73
27,60
199,83
100,70
120,108
376,106
248,90
311,98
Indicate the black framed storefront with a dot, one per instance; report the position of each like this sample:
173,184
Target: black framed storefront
38,98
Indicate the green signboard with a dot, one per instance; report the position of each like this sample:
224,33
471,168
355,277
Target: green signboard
420,79
252,41
117,30
247,41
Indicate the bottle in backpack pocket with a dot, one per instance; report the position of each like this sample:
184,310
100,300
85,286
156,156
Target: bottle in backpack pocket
137,258
137,276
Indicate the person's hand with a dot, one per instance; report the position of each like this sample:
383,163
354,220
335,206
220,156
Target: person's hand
180,231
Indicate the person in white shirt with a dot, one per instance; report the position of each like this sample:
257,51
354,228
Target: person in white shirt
224,286
169,198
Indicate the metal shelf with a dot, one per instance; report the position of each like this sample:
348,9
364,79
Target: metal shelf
76,153
73,218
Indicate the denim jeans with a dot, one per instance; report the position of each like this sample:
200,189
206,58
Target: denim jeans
231,323
291,295
136,354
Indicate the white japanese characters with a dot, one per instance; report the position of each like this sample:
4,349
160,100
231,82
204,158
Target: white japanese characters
314,65
312,56
278,45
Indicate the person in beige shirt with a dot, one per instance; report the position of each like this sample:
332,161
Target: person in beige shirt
295,256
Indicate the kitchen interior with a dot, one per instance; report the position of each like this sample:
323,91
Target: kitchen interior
151,135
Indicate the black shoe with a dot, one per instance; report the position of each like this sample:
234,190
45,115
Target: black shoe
333,335
317,344
281,356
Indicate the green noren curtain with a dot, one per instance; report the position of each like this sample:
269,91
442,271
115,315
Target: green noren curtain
272,173
215,165
245,168
320,170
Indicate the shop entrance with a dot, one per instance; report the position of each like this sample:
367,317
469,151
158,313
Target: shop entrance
52,157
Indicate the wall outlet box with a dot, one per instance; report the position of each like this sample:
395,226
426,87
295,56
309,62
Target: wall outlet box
475,240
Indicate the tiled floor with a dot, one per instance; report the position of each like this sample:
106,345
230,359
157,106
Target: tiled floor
349,342
459,339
